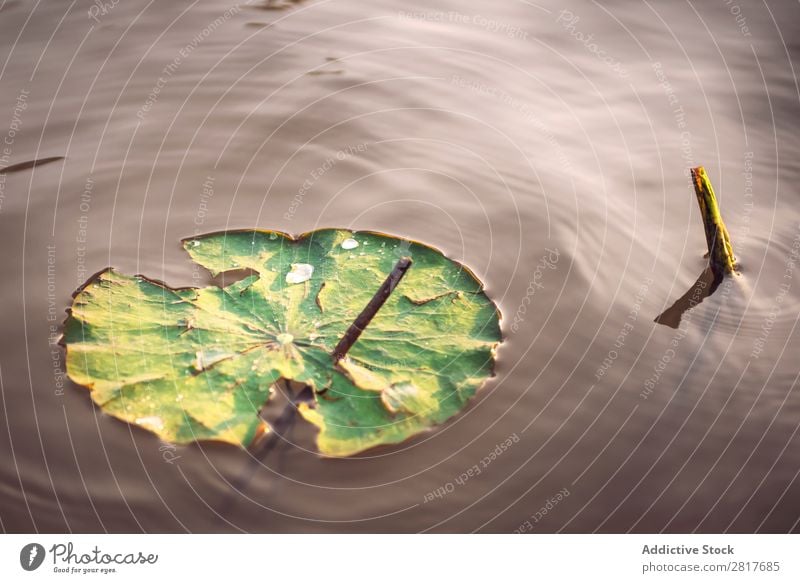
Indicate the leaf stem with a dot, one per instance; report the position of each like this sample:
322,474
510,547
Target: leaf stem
369,311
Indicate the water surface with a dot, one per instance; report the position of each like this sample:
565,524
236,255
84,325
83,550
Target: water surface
545,145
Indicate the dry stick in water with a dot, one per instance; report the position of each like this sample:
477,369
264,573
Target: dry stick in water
720,251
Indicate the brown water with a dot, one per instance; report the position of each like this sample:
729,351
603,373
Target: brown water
551,162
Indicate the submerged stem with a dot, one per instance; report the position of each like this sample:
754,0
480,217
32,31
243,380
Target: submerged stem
369,311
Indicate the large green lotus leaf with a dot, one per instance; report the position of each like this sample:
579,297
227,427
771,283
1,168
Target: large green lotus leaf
198,364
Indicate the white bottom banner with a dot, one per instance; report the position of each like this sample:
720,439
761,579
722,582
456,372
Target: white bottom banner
406,558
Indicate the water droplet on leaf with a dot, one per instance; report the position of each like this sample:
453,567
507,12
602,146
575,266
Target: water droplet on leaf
349,244
299,273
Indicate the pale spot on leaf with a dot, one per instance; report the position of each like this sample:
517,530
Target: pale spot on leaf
153,423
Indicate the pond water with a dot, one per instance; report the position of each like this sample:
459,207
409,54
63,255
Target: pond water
545,145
